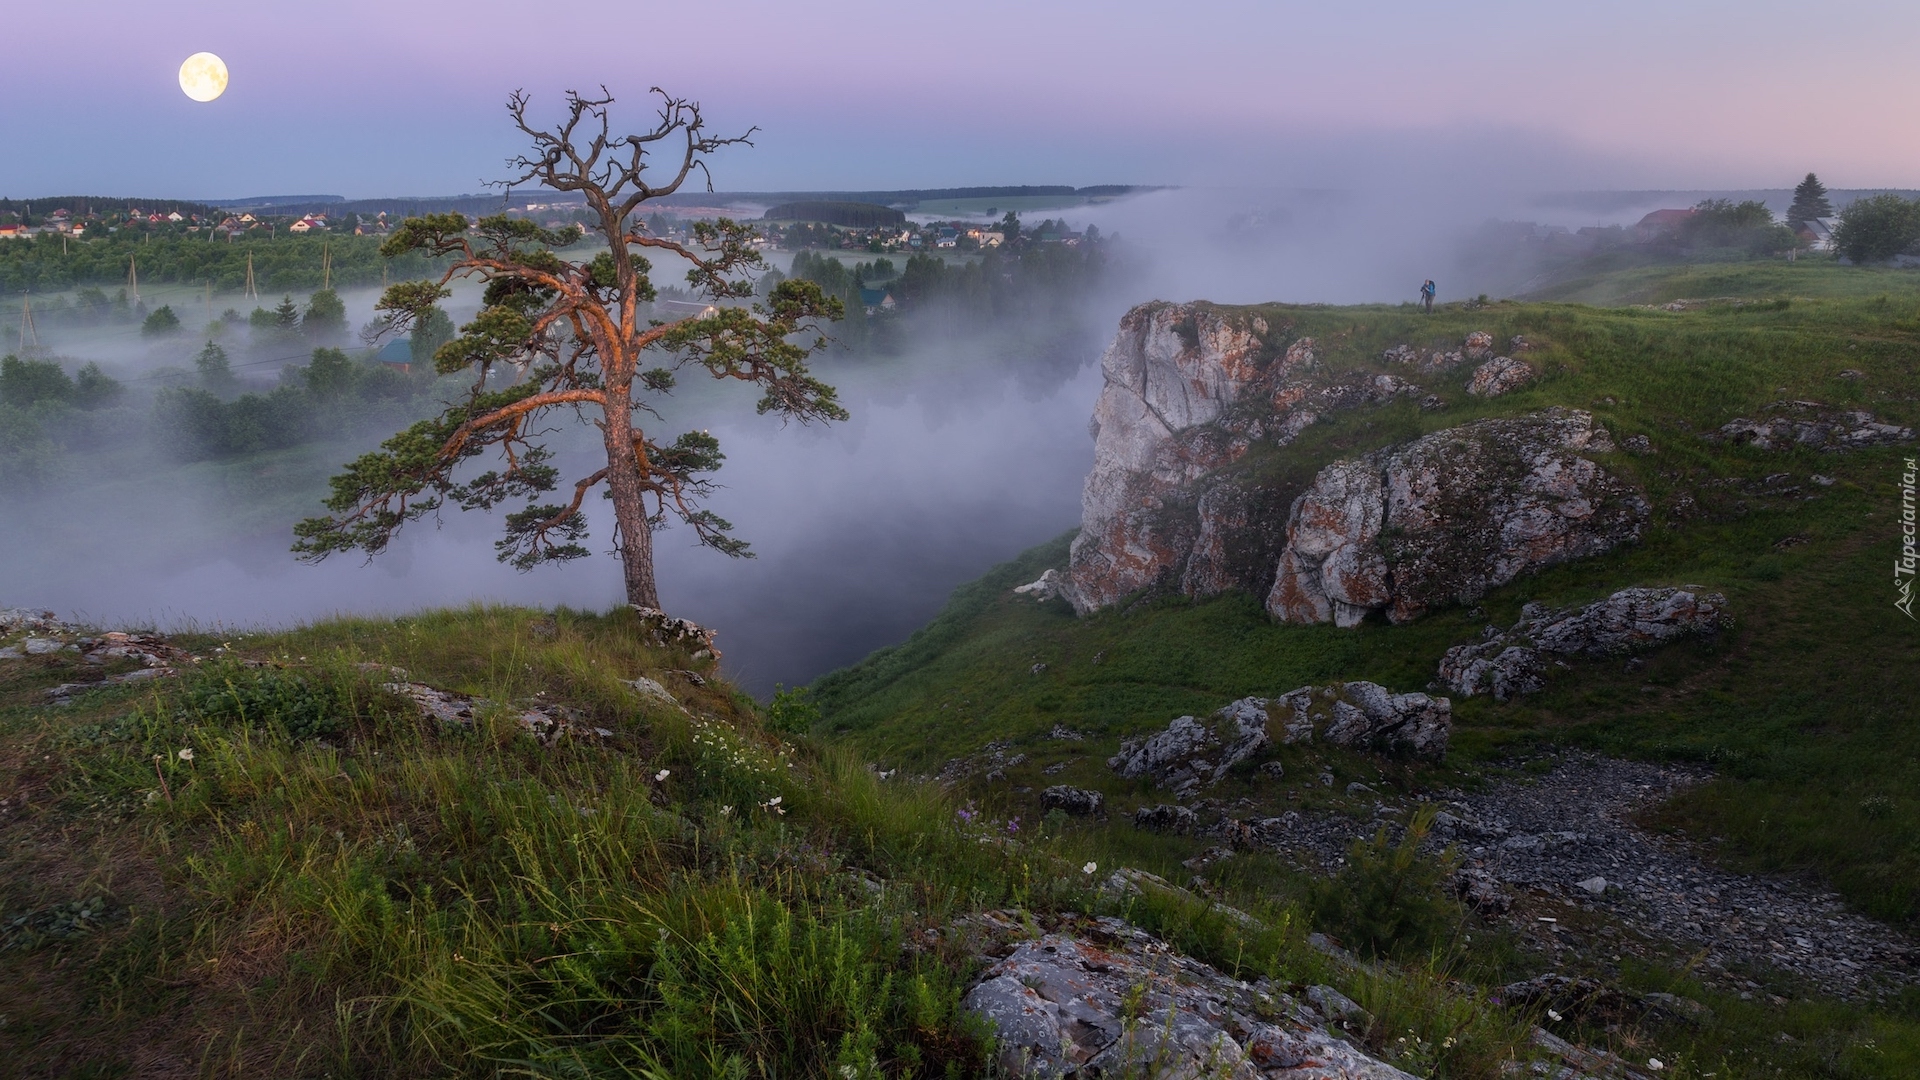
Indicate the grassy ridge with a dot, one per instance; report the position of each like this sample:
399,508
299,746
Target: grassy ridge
277,868
1804,706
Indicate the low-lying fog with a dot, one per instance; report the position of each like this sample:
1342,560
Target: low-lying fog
954,460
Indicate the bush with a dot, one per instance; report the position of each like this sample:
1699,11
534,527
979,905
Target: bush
161,323
1877,228
1390,899
302,706
792,711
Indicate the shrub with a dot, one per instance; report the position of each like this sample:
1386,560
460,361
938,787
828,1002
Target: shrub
792,711
1877,228
1390,899
161,323
304,706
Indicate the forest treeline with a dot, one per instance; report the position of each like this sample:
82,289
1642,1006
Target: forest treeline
49,262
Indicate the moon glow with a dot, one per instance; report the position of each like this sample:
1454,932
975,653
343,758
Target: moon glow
203,77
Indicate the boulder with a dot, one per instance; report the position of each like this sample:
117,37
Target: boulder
663,631
1166,818
1506,663
1500,375
1367,716
1105,998
1189,753
1048,586
1479,345
1450,516
1812,425
1080,802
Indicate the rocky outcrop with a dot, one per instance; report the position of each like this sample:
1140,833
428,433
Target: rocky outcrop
1509,662
1104,998
1189,390
1367,716
1448,517
664,631
1814,426
1172,369
1190,754
1500,375
1080,802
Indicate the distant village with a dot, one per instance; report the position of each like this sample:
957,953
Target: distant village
901,237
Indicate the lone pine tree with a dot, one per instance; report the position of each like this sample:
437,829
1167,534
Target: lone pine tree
1809,201
577,333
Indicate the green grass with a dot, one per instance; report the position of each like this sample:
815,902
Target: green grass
1803,707
276,867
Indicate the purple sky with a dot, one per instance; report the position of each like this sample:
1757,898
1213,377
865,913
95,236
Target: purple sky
404,96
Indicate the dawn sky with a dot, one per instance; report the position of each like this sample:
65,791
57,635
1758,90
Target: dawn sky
361,98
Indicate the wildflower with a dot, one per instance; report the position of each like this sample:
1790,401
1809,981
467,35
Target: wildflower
1554,1016
1013,826
1656,1064
661,776
1090,868
186,753
726,811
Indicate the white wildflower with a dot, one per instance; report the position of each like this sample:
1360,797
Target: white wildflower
1656,1064
186,753
661,776
1554,1016
1090,868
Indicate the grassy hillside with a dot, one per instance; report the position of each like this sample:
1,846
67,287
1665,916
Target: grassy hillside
1804,708
272,865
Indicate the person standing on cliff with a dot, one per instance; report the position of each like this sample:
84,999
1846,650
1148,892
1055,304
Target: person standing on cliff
1426,296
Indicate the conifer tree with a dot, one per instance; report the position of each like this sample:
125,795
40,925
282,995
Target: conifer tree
1809,201
591,347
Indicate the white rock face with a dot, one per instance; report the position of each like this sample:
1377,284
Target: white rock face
1172,367
1500,375
1450,516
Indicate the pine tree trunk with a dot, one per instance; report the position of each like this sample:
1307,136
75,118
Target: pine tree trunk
629,501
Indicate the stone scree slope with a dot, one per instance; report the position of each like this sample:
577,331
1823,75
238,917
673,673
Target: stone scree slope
1450,516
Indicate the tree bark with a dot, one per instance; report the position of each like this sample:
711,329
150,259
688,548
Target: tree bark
629,500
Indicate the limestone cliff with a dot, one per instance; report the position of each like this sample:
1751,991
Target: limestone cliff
1174,504
1189,390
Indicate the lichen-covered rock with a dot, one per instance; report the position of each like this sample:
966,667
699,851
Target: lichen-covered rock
667,632
1450,516
1189,753
1510,662
1080,802
1107,999
1479,345
1814,426
1367,716
1047,586
1500,375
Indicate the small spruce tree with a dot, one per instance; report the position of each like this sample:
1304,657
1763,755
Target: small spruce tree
1809,201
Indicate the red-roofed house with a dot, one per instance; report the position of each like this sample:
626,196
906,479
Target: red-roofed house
1659,223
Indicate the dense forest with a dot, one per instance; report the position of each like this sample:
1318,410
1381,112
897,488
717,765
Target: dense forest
50,262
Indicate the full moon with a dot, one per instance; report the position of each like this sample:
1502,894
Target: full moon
203,77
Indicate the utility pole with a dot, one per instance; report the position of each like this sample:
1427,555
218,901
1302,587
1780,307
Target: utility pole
252,293
133,277
326,265
28,335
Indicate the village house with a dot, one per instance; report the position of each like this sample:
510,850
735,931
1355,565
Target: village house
1660,223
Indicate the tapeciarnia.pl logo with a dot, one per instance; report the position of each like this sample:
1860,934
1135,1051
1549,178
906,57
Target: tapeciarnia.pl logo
1903,568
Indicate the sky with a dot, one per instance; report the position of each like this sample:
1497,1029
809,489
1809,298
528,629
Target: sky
397,97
